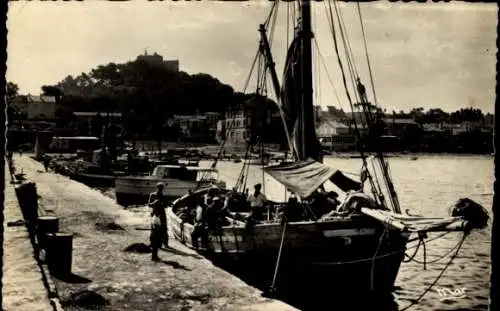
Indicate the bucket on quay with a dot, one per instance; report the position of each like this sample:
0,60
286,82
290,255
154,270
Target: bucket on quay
59,247
46,224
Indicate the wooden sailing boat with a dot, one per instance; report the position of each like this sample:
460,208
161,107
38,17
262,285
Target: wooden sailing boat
358,245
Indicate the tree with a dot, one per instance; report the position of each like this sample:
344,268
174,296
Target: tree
417,114
50,90
12,90
151,94
467,114
435,115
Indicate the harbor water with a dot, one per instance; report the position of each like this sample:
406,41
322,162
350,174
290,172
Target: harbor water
427,186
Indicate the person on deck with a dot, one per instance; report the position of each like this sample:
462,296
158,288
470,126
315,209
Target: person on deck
200,230
293,210
213,212
211,194
257,202
158,202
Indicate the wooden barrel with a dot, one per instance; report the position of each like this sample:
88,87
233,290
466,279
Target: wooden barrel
59,253
46,224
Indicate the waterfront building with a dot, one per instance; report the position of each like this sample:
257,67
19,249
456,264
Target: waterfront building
335,135
253,120
196,126
399,126
41,107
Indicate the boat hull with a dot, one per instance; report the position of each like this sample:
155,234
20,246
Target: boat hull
314,248
136,190
94,180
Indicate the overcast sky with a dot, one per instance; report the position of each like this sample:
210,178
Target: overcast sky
422,55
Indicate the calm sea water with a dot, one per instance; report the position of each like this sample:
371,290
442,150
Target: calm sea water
427,186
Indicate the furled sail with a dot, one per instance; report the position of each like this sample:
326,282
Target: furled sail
305,177
297,114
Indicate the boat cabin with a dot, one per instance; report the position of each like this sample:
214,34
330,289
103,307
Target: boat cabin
186,173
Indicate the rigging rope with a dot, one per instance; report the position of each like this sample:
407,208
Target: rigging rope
366,53
247,82
332,28
287,23
273,22
316,70
347,43
367,112
372,270
322,59
231,125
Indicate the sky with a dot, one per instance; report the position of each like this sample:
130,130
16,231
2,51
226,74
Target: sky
430,55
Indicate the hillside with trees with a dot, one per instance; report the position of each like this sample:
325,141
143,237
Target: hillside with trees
147,95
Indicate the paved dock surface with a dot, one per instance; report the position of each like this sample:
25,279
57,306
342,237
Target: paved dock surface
110,278
23,287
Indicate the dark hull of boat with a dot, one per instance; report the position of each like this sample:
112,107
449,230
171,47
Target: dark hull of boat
94,180
312,252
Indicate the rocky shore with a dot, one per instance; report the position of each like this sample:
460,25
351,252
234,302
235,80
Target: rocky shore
111,267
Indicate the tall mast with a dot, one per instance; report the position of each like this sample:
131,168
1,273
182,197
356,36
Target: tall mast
307,86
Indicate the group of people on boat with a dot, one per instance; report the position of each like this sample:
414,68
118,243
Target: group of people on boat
215,209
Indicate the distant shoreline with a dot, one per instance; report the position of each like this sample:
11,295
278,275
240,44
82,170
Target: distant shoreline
213,148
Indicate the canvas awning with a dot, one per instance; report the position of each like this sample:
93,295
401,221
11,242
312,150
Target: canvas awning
305,177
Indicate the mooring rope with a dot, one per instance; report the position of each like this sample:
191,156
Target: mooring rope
415,301
335,263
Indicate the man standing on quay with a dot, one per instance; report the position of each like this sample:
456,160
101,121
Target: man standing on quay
158,202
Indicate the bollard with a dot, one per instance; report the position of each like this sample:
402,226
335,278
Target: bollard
59,253
28,201
46,224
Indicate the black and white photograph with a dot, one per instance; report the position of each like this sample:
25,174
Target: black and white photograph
249,155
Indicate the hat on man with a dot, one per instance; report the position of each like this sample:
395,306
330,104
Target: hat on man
160,185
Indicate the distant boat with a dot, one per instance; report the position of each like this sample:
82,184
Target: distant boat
413,158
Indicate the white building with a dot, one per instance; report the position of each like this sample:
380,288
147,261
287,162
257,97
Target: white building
335,135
